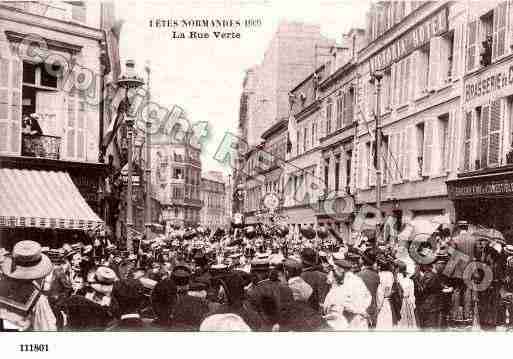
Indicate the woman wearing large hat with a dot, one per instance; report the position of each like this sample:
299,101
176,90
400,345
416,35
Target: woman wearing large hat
23,306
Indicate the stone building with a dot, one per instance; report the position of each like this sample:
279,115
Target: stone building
213,196
52,177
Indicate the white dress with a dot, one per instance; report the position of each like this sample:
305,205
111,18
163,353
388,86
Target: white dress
384,322
346,305
408,308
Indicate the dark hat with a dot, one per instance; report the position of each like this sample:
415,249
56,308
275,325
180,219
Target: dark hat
129,293
442,256
343,263
369,256
308,256
181,275
259,265
308,232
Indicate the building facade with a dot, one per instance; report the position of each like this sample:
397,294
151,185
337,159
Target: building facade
481,192
213,196
176,182
62,149
418,48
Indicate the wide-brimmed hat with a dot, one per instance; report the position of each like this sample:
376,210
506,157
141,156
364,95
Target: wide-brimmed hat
104,279
27,262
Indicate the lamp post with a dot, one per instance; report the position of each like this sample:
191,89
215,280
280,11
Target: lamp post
148,160
377,76
129,81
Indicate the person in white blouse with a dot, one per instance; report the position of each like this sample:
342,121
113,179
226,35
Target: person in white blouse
345,306
386,280
407,321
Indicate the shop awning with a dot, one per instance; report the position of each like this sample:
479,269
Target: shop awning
43,199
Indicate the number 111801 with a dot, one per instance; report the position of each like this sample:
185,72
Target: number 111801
33,348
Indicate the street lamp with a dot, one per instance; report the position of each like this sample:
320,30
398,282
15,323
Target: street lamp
376,78
129,81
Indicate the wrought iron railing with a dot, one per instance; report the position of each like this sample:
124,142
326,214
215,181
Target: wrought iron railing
43,146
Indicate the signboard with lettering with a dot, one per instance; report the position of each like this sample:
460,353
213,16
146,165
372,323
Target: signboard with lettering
489,188
412,40
496,81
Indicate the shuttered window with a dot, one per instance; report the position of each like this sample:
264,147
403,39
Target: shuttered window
484,133
10,105
499,30
435,53
370,164
329,111
472,45
427,148
340,110
467,137
495,135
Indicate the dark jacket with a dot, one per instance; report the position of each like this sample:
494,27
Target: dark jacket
188,313
318,281
428,292
84,314
371,279
268,298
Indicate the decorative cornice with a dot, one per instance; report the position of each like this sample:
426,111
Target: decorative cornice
52,44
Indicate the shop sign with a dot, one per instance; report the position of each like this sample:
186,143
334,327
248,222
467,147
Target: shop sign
494,188
489,82
136,180
413,39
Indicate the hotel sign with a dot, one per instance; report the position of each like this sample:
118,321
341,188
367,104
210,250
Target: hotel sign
503,187
413,39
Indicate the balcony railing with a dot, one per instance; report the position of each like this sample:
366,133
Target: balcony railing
43,146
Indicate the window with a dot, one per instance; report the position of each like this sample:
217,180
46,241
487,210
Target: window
385,160
339,111
349,157
386,97
329,111
420,147
326,172
337,172
472,48
298,141
446,60
443,122
305,138
313,134
499,30
348,106
423,67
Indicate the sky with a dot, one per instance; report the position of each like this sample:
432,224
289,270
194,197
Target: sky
204,76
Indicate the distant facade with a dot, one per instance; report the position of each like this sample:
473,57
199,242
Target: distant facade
213,196
176,183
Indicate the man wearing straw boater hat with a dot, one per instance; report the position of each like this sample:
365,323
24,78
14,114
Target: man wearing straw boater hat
23,306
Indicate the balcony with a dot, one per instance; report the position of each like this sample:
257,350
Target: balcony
42,146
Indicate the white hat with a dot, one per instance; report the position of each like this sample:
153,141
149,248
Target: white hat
224,323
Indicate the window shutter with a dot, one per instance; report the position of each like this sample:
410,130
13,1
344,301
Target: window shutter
10,105
485,124
451,145
392,148
435,53
411,156
494,141
405,158
406,79
397,84
499,30
393,85
467,136
428,148
472,45
370,165
413,77
456,51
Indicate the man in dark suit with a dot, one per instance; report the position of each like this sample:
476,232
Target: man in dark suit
268,297
129,294
428,295
370,277
314,277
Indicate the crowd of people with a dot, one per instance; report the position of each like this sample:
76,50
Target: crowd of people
261,278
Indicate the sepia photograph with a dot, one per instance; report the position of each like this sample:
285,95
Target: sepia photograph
333,166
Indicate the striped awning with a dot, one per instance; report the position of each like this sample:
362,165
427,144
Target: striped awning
43,199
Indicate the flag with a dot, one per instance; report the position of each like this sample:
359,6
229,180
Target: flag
291,132
111,131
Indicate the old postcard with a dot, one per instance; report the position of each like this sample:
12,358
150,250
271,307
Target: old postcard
255,166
